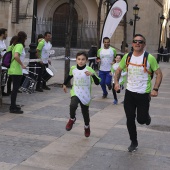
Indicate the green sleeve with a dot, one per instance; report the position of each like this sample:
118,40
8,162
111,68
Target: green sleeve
71,70
114,51
40,45
18,49
122,64
98,52
92,71
112,70
153,63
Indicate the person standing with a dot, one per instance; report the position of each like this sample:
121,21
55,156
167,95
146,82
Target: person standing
3,36
83,76
92,53
13,41
105,56
139,88
43,52
15,70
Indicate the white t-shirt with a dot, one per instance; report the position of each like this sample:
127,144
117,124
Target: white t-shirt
46,52
123,73
22,56
137,78
106,57
2,47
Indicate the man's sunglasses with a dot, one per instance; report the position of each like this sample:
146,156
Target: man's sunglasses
138,41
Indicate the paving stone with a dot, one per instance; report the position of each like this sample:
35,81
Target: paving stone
14,150
22,167
35,126
6,166
106,159
51,161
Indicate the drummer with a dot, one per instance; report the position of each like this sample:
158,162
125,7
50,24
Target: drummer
3,36
43,52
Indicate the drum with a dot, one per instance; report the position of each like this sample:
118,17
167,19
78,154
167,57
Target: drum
4,76
28,85
47,74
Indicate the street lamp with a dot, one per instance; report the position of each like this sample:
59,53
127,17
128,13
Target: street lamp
161,22
108,4
33,44
136,17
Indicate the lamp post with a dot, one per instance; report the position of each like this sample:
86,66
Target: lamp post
108,4
161,21
33,44
33,33
136,17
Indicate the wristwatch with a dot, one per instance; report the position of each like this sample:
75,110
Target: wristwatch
156,89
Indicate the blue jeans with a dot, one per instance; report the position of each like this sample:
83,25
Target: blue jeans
106,79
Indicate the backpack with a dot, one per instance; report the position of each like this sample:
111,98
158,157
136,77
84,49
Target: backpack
145,58
6,59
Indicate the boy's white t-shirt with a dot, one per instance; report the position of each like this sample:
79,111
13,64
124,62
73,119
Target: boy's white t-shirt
81,85
123,73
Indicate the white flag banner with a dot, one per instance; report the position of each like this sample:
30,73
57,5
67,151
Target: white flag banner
113,19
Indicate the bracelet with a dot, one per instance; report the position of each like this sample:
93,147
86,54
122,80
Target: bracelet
155,89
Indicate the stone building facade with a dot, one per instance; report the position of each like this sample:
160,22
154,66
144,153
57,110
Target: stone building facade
16,17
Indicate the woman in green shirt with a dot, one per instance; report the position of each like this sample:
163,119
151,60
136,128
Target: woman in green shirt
13,41
15,70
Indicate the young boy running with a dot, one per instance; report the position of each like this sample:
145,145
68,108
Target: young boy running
81,90
121,80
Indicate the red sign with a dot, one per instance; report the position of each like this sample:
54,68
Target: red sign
116,12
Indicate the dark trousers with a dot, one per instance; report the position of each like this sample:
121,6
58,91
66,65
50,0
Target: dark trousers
39,78
16,84
43,70
114,92
106,79
9,82
85,109
136,102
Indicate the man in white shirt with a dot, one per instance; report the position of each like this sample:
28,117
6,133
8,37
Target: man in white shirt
43,52
139,86
3,36
105,56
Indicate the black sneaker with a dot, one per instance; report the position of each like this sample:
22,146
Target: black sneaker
5,94
18,107
148,120
16,111
104,96
133,147
39,90
110,87
46,88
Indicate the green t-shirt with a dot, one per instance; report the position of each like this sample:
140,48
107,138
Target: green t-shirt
40,46
15,67
137,80
10,48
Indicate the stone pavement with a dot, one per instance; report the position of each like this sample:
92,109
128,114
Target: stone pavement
37,140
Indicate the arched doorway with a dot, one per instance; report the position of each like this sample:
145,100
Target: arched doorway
60,24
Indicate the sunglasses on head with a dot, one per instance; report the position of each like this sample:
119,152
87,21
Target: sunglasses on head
138,41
